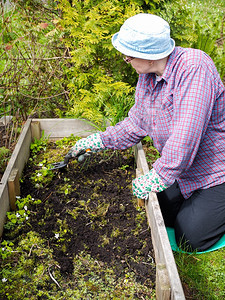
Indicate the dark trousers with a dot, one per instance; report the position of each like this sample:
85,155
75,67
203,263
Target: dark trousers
199,221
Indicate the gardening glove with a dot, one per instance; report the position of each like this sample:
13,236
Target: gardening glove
150,182
92,142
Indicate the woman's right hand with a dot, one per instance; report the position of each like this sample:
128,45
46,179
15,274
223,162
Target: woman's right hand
93,142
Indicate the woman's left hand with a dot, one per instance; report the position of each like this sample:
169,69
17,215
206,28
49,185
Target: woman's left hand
150,182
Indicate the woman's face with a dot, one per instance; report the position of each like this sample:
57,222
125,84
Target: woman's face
142,66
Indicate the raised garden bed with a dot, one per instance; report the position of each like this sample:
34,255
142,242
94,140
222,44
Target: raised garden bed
132,255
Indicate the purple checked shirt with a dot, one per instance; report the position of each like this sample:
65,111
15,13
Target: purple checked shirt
183,112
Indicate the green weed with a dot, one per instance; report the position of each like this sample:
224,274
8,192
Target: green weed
4,158
21,215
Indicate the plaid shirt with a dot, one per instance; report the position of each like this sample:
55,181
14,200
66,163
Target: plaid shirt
183,112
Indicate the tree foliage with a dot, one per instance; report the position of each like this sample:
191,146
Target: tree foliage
57,58
200,25
98,76
33,59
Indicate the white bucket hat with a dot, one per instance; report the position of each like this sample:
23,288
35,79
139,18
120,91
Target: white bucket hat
144,36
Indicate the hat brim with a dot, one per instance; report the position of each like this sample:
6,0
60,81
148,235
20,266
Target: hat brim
128,52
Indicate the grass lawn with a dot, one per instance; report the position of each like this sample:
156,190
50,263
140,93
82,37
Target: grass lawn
204,273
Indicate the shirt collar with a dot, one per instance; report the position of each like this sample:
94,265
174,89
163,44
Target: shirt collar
172,58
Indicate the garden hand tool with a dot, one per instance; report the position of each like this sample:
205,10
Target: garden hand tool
80,157
81,149
92,142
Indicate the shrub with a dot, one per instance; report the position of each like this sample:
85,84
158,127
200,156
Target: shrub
32,60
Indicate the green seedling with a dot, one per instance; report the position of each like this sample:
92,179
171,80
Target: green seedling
21,215
124,167
39,145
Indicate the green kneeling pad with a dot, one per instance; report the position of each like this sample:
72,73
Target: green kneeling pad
171,235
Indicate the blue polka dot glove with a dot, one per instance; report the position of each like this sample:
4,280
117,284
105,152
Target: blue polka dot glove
150,182
92,142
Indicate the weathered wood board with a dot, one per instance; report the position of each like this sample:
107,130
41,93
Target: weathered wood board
63,127
165,263
18,159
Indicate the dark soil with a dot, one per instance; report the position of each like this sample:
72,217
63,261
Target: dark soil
98,214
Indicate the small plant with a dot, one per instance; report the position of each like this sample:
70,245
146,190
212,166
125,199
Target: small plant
124,167
4,157
21,215
42,176
6,249
38,145
67,142
28,270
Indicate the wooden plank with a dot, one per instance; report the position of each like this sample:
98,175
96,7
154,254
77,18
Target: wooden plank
160,240
141,161
59,128
35,130
21,152
18,159
140,202
161,244
163,289
14,187
4,204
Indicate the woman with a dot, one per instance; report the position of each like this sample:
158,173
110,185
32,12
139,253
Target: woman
180,104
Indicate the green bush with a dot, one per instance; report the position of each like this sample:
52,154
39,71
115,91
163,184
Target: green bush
98,76
4,157
99,79
198,24
32,60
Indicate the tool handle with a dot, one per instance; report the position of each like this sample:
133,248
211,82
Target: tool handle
82,155
67,157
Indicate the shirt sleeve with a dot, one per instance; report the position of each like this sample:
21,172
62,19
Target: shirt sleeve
193,100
